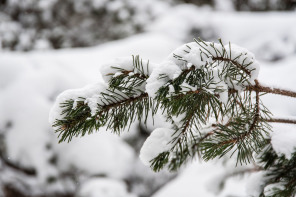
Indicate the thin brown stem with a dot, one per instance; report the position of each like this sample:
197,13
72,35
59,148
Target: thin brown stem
280,120
257,109
187,125
124,102
257,87
278,91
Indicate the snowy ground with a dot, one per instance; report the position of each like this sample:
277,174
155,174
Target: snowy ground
30,82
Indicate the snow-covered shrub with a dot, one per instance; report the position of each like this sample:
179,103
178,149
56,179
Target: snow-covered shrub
245,5
264,5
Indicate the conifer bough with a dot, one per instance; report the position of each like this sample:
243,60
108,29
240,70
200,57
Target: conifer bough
210,94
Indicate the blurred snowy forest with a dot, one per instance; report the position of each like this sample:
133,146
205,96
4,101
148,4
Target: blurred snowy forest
48,46
41,24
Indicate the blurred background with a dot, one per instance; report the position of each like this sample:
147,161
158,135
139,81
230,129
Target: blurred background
48,46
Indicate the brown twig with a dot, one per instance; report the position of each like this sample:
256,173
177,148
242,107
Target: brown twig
280,120
124,102
278,91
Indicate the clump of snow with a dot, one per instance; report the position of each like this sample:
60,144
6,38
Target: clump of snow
98,153
283,139
155,81
246,59
110,69
255,183
104,187
90,92
199,179
201,53
218,85
158,142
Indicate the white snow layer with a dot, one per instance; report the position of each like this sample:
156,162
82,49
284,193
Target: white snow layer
154,82
255,184
99,153
104,187
283,139
90,92
195,181
36,78
158,142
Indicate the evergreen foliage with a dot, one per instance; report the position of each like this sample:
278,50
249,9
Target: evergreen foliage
205,123
121,104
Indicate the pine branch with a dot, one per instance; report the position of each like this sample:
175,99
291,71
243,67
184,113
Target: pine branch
115,115
208,99
117,107
280,173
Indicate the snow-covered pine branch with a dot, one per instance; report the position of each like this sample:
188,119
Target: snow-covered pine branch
210,94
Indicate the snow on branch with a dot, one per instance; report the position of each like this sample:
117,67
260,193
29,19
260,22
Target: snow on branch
209,92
